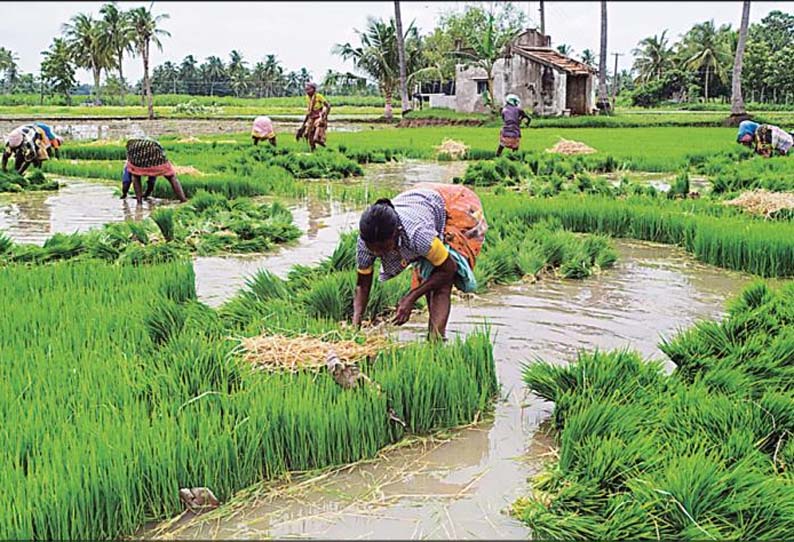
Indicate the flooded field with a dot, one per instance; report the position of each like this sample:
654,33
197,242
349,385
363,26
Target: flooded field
454,486
32,217
460,487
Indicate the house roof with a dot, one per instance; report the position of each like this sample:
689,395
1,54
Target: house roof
554,59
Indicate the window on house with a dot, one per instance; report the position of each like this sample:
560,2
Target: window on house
482,86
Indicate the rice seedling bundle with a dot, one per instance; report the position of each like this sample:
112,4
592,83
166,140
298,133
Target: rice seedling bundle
119,388
699,454
703,229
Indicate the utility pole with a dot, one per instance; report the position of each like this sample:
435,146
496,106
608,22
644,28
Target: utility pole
615,81
542,19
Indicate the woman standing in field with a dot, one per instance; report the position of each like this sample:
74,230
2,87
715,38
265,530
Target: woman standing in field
316,121
146,157
263,130
764,138
440,229
512,115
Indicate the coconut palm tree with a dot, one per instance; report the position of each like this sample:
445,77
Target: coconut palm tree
401,58
147,32
603,99
588,57
653,57
377,56
565,49
213,72
119,37
485,48
9,68
737,100
705,50
57,69
89,49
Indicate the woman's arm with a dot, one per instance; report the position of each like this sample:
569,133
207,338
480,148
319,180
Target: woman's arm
361,297
442,274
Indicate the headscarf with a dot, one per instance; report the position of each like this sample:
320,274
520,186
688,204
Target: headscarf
15,138
512,99
746,127
263,127
312,84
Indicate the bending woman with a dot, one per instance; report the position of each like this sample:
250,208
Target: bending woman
439,229
765,139
146,157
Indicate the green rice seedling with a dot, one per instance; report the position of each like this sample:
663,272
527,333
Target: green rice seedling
139,231
697,451
165,321
158,399
164,218
265,285
6,243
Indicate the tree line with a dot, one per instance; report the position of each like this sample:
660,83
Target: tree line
698,67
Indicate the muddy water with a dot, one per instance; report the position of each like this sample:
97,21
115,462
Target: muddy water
461,487
219,277
83,130
32,217
409,172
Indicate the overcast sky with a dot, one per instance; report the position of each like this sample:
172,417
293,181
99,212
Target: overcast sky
303,33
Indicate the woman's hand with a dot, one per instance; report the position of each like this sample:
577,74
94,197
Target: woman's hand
404,308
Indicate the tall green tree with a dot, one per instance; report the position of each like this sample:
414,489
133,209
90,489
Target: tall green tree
147,32
588,57
565,49
119,36
706,50
653,57
88,47
377,56
213,72
9,68
57,68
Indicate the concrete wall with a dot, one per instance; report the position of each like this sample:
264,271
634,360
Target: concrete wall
514,75
442,100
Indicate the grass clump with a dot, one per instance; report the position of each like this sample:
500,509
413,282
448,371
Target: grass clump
121,390
12,181
692,455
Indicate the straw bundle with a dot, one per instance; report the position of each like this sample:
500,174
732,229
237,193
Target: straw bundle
277,352
567,146
188,170
763,203
452,148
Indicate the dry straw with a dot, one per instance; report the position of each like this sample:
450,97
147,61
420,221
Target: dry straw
569,147
763,203
278,352
452,148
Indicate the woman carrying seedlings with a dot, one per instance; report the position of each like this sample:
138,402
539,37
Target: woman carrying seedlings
316,121
146,157
764,138
512,115
439,228
263,130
